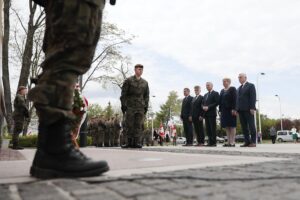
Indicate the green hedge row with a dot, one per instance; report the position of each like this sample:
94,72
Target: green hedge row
31,140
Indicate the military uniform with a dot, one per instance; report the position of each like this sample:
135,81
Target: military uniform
100,132
147,137
19,115
71,35
107,133
116,130
134,101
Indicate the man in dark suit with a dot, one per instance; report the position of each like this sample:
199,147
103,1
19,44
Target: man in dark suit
209,105
197,116
186,116
246,100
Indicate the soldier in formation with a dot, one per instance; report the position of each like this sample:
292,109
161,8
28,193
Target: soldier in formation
134,101
20,114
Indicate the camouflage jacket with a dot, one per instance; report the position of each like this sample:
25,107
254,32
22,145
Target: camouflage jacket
20,108
135,94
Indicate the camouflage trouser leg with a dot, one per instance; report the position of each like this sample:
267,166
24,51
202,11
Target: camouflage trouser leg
134,124
112,138
101,139
106,138
117,138
71,36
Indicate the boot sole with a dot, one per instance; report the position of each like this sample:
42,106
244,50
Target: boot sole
51,174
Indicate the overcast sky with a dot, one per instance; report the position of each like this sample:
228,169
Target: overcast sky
187,43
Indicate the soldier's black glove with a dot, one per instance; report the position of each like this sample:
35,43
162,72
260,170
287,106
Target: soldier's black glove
124,109
112,2
145,110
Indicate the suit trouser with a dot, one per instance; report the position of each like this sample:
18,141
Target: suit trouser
199,130
188,131
211,126
248,126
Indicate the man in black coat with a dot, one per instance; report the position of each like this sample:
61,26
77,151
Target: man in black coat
186,116
209,105
197,116
246,100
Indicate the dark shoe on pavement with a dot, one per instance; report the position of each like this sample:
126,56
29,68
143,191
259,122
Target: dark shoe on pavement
199,145
187,145
17,148
211,145
56,156
232,145
244,145
128,145
226,145
136,144
252,145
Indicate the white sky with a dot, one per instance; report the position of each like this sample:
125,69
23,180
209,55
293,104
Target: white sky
186,43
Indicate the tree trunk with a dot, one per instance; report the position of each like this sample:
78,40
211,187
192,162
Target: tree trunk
5,67
27,54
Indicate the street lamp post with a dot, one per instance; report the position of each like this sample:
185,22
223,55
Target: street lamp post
258,103
281,124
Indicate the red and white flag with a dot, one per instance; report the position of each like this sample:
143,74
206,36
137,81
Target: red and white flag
161,130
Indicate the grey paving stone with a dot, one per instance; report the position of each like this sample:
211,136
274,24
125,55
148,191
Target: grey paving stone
129,189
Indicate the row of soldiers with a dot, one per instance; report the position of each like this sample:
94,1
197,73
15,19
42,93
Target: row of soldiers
110,132
105,131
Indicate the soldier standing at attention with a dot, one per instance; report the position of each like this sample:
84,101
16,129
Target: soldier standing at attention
71,35
117,129
20,114
101,131
134,101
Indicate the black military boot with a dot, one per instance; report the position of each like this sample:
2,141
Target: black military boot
56,156
16,146
136,143
128,145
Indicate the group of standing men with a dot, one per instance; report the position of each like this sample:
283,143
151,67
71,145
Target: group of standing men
232,102
105,132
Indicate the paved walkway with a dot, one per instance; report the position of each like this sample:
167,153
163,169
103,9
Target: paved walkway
265,172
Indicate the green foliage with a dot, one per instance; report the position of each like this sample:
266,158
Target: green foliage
95,110
171,107
109,112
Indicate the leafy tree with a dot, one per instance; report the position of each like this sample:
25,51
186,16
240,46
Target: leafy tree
95,110
171,108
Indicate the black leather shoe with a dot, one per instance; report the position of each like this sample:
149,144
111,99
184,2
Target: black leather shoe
244,145
136,143
128,145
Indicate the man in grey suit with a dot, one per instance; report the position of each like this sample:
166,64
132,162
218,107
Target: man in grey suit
246,100
186,116
197,116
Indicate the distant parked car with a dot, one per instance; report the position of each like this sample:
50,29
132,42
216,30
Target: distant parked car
181,140
219,139
285,136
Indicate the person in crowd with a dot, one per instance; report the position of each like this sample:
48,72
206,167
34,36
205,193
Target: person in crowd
209,106
197,116
273,134
227,111
246,100
186,116
294,134
20,114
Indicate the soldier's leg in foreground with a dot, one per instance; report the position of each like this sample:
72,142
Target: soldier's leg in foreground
72,32
18,128
138,129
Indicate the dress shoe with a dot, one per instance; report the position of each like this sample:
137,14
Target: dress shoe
244,145
252,145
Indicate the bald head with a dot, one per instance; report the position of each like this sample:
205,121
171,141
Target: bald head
242,78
